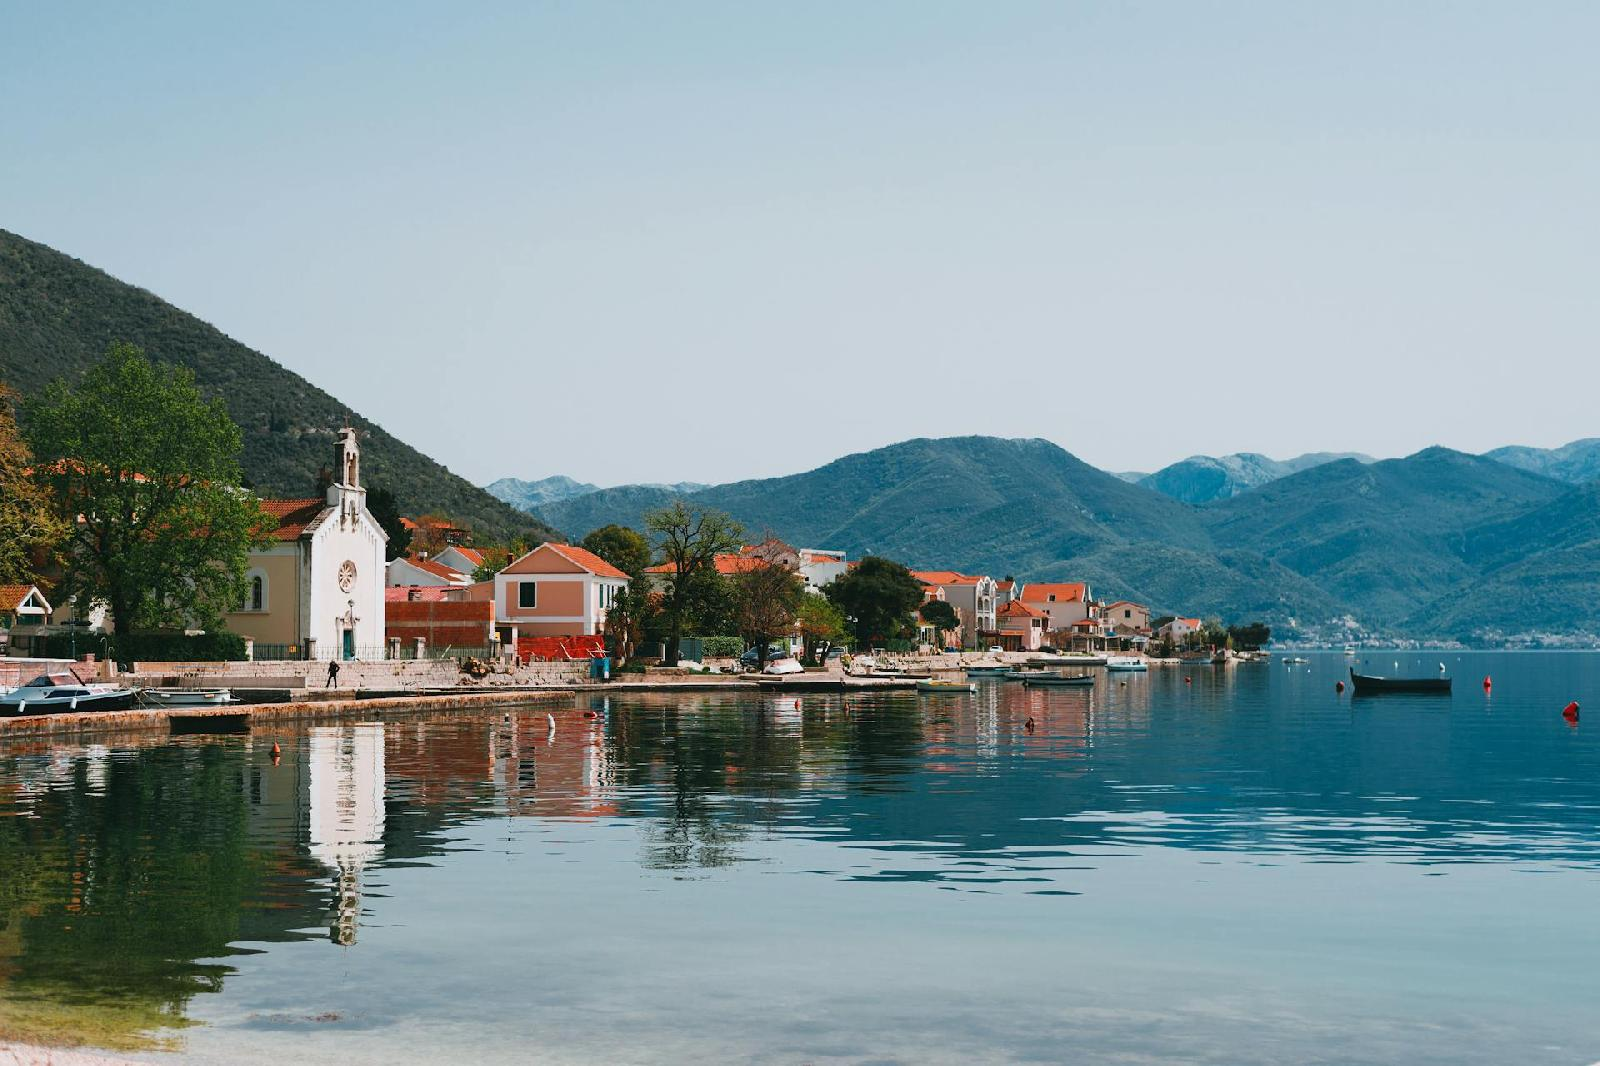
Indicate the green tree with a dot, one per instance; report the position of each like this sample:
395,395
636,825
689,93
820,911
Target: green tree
630,612
624,548
766,599
879,597
386,510
145,473
940,615
29,529
689,539
820,621
494,561
1252,637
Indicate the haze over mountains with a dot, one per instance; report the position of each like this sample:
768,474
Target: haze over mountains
1342,545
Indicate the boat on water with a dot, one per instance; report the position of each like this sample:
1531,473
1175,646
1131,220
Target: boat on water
1290,660
1367,684
1126,664
1067,660
928,684
989,670
1049,680
188,697
1350,650
60,693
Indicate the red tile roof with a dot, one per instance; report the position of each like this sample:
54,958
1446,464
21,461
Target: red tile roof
472,555
1086,623
1018,608
1068,592
587,559
1125,603
11,596
944,577
437,569
293,516
727,565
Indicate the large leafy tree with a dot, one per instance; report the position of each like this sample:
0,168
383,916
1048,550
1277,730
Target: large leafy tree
766,599
879,597
820,620
144,471
29,529
940,615
624,548
689,539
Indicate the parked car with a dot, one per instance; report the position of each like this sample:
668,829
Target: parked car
752,656
995,649
1048,649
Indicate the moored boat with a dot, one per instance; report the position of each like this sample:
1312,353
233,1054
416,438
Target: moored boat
977,670
188,697
1058,680
60,693
929,684
1126,664
1367,684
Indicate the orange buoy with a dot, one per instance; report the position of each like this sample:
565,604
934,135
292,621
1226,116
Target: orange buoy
1488,682
1338,686
590,714
1570,711
275,749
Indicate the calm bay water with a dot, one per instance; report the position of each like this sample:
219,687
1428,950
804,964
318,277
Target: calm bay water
1245,868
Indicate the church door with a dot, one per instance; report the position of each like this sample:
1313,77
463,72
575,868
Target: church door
349,644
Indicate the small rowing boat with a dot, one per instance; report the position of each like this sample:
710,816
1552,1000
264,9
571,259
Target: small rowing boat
1058,680
929,684
1367,685
188,697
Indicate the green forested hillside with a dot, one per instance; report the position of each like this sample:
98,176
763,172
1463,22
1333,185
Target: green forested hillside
57,315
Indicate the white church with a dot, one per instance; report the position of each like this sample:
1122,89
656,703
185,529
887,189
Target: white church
317,592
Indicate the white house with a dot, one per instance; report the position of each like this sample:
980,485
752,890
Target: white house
1179,628
421,571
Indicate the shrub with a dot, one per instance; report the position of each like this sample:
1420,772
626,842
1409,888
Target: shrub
721,647
149,647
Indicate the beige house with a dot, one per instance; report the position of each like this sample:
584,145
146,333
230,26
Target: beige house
556,590
1064,604
317,592
1127,618
1022,628
973,597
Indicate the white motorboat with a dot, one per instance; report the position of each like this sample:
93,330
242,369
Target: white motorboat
1127,664
189,697
58,693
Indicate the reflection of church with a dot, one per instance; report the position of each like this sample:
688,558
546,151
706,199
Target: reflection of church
346,811
317,591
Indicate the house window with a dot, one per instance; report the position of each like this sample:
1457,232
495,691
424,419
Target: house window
528,594
258,597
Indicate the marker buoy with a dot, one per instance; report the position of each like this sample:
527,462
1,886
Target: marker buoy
1188,681
1570,711
1488,682
590,714
1338,686
275,749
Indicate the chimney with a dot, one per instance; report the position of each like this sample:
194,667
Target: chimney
413,594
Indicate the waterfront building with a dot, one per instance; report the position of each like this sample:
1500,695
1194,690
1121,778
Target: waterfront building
421,570
1022,628
1179,629
23,613
317,591
1063,603
973,597
1128,619
556,590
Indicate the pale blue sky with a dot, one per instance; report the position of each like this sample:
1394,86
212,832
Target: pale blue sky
762,236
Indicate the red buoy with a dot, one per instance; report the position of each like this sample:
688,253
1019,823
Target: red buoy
1488,682
1188,680
275,749
590,714
1338,686
1570,711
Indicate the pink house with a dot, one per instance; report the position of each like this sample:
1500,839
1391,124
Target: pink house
556,590
1022,627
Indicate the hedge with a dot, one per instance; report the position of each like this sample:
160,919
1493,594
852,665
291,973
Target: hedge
721,647
149,647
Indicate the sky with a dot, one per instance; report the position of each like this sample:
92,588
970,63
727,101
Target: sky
664,242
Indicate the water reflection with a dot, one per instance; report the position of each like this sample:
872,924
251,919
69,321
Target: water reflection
133,874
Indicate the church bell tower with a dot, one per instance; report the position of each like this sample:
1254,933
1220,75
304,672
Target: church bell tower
346,492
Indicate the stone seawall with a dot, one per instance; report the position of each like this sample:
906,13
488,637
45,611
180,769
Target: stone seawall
91,723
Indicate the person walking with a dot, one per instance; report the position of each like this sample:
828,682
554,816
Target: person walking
333,674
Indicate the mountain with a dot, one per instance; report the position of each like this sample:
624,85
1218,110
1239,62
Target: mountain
58,315
1576,462
1386,537
1203,478
529,495
994,506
